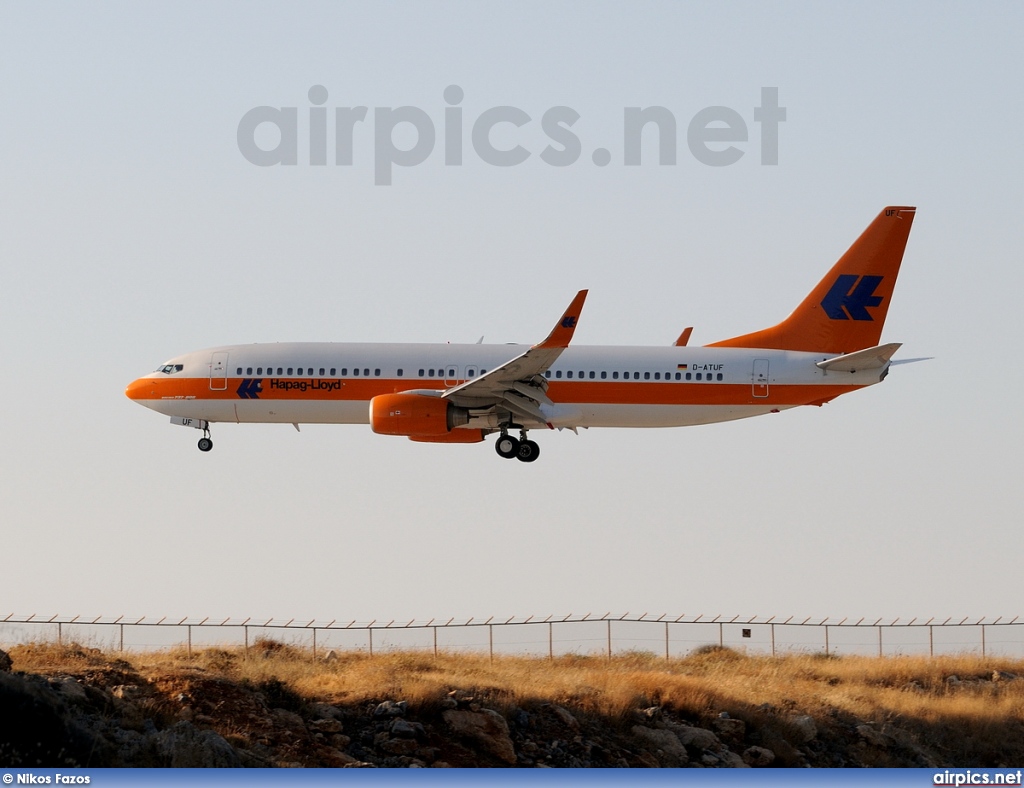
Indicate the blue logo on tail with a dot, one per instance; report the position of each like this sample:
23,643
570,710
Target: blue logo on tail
851,296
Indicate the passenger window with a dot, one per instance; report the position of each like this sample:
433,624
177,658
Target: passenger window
698,376
719,376
688,376
636,376
568,374
376,373
431,374
399,373
604,375
647,376
355,371
592,374
558,374
421,373
615,376
238,371
259,370
679,376
344,372
322,371
547,373
248,370
289,370
334,371
657,376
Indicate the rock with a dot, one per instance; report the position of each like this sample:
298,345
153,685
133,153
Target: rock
6,663
997,675
729,728
667,743
873,737
398,746
390,708
758,756
953,681
565,717
806,728
324,726
325,711
289,720
485,727
72,690
699,738
408,730
185,746
731,760
131,692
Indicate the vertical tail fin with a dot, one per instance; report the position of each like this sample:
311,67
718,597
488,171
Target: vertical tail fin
847,309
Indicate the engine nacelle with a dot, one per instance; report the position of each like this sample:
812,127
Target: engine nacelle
415,415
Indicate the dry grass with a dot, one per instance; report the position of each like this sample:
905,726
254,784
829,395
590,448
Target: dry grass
911,692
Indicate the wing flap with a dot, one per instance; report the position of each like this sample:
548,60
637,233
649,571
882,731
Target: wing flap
869,358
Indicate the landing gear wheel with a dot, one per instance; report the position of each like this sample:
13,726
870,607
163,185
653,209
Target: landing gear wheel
507,446
205,444
528,451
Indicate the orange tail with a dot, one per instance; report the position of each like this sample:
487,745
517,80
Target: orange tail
846,311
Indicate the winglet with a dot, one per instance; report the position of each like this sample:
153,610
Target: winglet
561,334
684,337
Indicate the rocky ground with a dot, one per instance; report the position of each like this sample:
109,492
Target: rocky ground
107,713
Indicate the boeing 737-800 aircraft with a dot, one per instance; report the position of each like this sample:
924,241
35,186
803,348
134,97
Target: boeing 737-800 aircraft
444,393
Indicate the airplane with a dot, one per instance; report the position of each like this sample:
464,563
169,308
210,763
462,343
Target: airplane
460,393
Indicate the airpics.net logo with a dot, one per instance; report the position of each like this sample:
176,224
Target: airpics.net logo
269,136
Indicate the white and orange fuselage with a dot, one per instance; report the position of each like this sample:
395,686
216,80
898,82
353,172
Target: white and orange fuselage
334,383
449,393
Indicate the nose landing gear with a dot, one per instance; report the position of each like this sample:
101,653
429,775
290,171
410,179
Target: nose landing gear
522,448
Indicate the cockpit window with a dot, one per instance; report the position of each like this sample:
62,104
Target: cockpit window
170,369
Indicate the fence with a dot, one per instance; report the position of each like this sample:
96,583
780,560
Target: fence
607,634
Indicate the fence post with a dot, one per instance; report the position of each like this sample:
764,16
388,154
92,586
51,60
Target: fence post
314,644
435,641
246,628
931,641
826,639
370,631
120,646
60,635
879,641
190,641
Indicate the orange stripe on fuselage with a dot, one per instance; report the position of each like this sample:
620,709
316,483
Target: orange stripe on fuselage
597,392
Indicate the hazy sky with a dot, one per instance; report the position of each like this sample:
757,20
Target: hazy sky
132,229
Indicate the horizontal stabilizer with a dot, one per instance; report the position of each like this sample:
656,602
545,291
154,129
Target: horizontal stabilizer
870,358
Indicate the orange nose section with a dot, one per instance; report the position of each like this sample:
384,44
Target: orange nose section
142,388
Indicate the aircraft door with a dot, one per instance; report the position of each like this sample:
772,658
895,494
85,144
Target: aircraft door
759,378
451,376
219,371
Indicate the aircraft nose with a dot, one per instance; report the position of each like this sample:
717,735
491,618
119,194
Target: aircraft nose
140,389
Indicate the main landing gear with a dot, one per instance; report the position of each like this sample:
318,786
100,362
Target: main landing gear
205,444
521,448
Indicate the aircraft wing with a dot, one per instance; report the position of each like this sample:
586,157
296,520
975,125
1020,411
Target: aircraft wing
519,384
